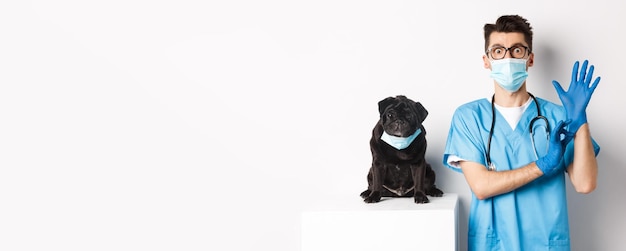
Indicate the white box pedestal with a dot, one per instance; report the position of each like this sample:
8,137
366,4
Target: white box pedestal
393,224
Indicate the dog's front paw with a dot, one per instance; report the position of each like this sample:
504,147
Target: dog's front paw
365,193
373,197
420,198
435,192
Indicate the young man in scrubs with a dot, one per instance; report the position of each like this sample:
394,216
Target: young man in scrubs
517,176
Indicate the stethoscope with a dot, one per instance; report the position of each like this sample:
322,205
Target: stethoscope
490,165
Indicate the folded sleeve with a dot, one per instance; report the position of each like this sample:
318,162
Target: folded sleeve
465,141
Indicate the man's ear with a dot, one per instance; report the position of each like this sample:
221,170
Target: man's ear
486,62
383,104
422,113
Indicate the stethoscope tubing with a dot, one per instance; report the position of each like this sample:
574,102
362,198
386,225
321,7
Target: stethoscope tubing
490,165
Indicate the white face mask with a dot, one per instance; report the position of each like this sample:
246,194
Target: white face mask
509,73
399,142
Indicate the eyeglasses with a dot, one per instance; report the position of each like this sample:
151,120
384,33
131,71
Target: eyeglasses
499,52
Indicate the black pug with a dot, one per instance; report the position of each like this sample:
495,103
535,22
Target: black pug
398,146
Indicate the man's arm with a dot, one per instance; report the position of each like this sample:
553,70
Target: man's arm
583,172
486,184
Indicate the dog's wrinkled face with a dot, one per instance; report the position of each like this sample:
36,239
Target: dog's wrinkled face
401,116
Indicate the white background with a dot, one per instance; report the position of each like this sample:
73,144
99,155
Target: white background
195,125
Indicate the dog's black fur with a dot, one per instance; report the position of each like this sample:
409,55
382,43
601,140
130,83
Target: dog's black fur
400,173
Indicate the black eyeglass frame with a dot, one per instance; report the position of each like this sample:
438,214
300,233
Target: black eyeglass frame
526,51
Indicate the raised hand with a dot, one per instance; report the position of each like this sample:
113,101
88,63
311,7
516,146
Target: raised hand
577,97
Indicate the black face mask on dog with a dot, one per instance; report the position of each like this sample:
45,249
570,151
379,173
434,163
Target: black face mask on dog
399,142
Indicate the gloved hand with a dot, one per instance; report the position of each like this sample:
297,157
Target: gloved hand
577,97
549,164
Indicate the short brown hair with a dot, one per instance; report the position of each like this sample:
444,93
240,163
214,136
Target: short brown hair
510,23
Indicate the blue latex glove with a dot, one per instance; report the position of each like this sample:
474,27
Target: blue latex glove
549,164
577,97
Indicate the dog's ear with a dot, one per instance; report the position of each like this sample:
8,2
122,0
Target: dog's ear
383,104
421,111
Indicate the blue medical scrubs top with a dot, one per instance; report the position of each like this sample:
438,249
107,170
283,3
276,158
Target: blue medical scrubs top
532,217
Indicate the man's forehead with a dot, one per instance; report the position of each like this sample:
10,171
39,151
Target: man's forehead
506,38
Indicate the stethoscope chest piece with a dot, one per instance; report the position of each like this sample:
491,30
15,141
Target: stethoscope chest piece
491,167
